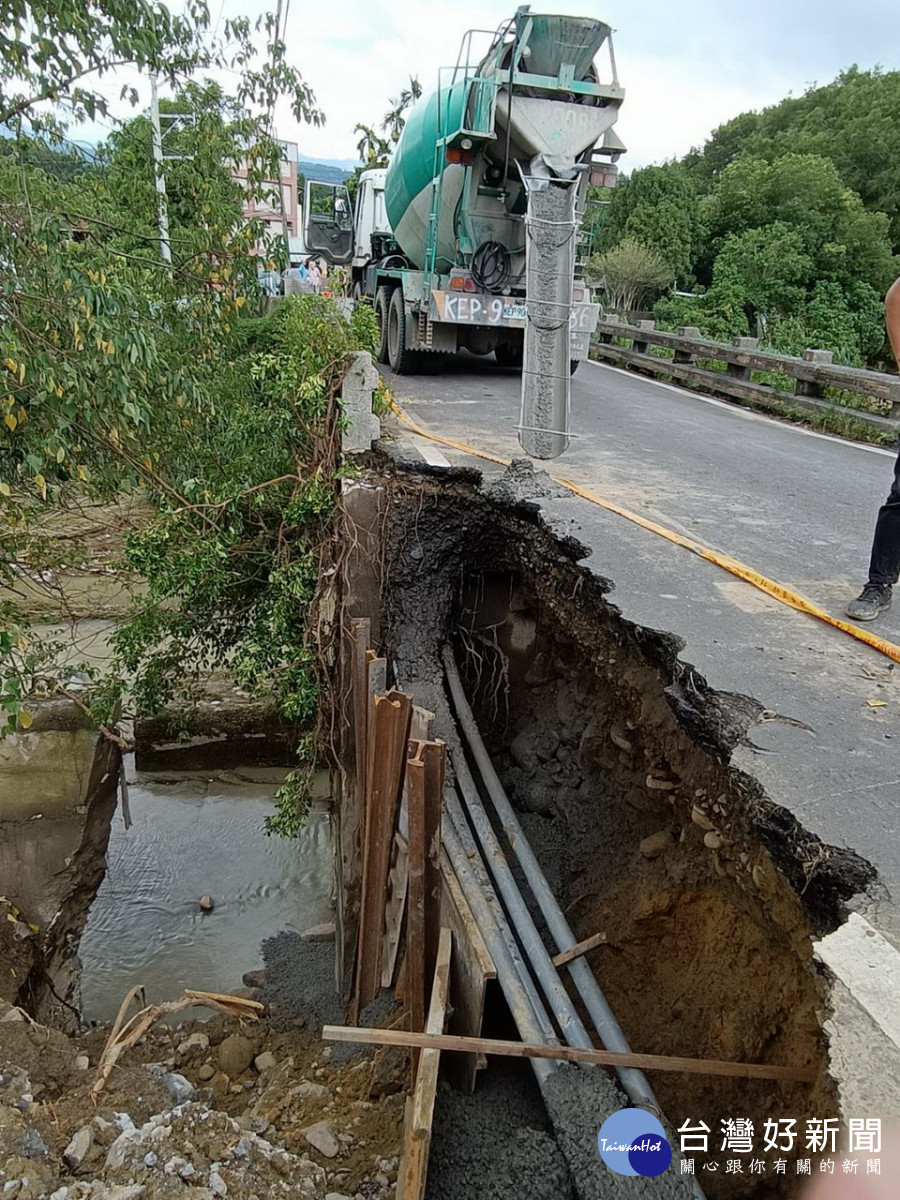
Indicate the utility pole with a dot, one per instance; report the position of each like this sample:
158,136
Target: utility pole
164,248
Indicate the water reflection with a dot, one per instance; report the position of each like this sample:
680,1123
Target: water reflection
194,835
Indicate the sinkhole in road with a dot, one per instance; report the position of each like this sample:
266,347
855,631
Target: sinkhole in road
616,755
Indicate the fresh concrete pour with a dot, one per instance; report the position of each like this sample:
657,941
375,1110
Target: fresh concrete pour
550,224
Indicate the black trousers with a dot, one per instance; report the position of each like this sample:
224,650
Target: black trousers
885,563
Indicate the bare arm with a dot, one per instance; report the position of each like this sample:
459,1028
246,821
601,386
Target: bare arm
892,316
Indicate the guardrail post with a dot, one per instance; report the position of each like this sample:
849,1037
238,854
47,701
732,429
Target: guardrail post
686,356
809,387
637,344
895,401
739,370
612,319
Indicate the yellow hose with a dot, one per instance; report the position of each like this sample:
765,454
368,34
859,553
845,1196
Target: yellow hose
770,586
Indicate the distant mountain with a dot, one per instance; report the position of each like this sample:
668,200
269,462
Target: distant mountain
321,172
346,164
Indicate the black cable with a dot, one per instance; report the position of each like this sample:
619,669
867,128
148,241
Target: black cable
491,267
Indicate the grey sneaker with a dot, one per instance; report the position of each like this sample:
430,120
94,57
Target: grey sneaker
874,599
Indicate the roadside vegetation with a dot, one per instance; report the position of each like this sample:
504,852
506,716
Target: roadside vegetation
124,374
785,225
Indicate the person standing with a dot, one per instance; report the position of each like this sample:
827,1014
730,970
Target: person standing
313,274
884,565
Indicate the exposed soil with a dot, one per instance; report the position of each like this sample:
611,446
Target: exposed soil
617,754
604,739
247,1128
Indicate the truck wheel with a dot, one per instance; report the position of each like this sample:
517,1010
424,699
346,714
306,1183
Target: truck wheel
382,305
357,294
509,355
403,361
432,362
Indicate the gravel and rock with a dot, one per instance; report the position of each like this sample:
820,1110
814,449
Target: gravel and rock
284,1120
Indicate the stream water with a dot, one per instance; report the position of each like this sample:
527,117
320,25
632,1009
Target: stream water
194,834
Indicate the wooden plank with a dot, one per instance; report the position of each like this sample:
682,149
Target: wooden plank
359,642
471,969
415,907
427,1075
420,1109
350,814
600,1058
398,879
434,754
420,724
580,948
384,776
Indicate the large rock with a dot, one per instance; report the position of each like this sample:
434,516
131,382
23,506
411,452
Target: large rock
78,1148
522,751
265,1061
195,1041
320,933
656,844
235,1055
389,1072
321,1137
179,1089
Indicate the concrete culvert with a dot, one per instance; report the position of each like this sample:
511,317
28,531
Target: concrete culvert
617,757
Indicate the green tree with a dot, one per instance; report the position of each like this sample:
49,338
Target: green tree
207,144
395,117
768,268
116,368
658,207
629,273
373,150
844,241
851,121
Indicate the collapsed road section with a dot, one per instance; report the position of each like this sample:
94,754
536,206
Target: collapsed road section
627,887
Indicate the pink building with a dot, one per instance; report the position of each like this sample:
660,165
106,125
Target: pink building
269,210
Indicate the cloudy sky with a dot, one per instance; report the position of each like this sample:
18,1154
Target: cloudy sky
686,67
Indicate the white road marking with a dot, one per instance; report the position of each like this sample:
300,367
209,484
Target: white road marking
740,412
869,967
431,454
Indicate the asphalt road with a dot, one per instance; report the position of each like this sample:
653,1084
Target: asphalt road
795,505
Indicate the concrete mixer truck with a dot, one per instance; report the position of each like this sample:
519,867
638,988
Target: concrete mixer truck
468,238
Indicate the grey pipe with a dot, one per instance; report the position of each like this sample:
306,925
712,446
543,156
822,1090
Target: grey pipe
489,925
454,812
633,1081
548,977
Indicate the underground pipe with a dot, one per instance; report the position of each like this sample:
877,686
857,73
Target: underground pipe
634,1082
454,813
558,999
515,994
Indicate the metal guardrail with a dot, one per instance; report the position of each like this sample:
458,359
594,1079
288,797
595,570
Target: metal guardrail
812,374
